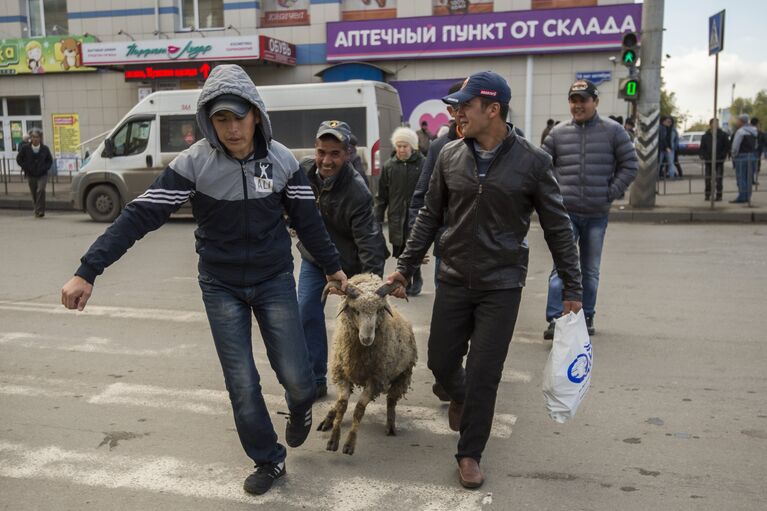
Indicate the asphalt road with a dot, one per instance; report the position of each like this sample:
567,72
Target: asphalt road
123,407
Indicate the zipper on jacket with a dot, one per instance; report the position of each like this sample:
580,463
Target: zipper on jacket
245,217
583,160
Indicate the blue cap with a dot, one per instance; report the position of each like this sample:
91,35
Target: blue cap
338,129
484,85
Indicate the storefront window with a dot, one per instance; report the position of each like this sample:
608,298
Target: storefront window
202,14
47,17
24,106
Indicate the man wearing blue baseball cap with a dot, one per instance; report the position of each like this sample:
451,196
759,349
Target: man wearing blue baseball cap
485,188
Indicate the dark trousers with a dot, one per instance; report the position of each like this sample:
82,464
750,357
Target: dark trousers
719,174
487,318
37,188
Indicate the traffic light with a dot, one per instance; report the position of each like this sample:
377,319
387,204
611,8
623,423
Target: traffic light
630,49
628,89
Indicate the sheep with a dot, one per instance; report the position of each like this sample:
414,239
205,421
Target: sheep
373,347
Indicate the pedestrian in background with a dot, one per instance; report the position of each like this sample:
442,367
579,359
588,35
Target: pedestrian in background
346,207
395,188
35,160
484,188
356,160
630,128
240,183
745,144
667,141
547,129
722,149
760,143
594,162
424,138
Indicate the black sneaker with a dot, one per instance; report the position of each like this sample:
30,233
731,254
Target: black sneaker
322,391
298,427
262,479
590,325
548,334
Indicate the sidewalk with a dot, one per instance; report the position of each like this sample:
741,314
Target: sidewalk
676,205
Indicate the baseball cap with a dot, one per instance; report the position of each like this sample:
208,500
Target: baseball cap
484,85
338,129
231,103
584,88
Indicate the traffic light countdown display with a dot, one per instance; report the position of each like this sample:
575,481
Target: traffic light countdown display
628,88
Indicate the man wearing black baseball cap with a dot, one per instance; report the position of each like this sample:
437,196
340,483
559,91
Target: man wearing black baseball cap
346,207
485,188
594,161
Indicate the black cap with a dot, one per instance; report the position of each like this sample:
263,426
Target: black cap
583,88
231,103
338,129
485,85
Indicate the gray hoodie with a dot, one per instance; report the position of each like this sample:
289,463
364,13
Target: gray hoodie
743,131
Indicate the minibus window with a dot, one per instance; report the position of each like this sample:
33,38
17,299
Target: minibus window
178,132
296,129
132,138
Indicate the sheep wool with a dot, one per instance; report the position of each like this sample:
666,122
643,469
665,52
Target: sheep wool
406,135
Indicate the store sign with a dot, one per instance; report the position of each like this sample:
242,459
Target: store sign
171,50
66,141
596,77
499,33
452,7
58,54
283,13
274,50
160,71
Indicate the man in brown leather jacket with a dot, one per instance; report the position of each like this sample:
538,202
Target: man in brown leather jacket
489,183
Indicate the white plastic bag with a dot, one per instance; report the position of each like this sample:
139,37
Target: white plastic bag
567,374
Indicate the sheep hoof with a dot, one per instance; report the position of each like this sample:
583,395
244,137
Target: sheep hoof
325,425
390,431
332,445
349,449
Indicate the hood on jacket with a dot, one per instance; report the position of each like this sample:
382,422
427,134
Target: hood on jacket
232,79
750,129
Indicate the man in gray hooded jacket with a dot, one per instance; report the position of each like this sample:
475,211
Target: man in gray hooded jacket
240,183
594,162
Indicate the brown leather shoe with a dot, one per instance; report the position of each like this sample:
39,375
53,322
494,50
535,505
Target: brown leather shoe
454,413
469,473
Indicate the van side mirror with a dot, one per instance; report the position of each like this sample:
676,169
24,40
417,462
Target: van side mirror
109,148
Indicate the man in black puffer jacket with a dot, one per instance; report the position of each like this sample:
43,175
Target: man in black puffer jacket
594,162
35,160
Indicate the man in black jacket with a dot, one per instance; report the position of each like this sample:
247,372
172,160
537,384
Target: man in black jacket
722,148
35,160
484,188
346,207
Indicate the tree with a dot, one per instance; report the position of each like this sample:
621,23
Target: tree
698,126
668,103
756,107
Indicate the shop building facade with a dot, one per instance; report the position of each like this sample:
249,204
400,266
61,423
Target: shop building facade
96,59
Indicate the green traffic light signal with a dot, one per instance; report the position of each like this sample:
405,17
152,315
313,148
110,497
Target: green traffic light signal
628,89
629,49
629,58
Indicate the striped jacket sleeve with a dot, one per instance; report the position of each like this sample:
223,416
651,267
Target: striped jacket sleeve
146,213
298,200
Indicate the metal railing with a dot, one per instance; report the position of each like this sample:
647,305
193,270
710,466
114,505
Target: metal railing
11,176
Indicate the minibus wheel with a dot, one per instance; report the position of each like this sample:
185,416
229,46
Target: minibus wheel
103,203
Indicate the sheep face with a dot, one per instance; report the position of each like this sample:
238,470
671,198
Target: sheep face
365,308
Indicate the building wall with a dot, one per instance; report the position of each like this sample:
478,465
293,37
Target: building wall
102,98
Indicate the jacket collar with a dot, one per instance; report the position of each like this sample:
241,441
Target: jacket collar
590,122
328,184
507,142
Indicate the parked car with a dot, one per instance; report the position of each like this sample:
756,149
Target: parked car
689,143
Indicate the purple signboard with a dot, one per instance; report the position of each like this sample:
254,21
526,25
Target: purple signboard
499,33
422,101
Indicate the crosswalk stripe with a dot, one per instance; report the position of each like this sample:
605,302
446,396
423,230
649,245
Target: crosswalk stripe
220,482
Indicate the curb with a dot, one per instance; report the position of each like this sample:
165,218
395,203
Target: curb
669,217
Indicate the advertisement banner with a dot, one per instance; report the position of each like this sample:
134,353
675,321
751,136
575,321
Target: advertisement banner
283,13
499,33
422,101
66,139
171,50
56,54
353,10
445,7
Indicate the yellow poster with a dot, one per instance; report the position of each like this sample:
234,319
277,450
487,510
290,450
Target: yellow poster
55,54
66,141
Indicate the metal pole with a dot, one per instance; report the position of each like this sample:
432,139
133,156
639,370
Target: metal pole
714,131
529,99
648,108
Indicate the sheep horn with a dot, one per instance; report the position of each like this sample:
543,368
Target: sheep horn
386,289
352,291
387,308
330,285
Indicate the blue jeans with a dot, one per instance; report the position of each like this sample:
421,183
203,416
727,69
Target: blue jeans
744,164
311,281
274,305
589,234
667,167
